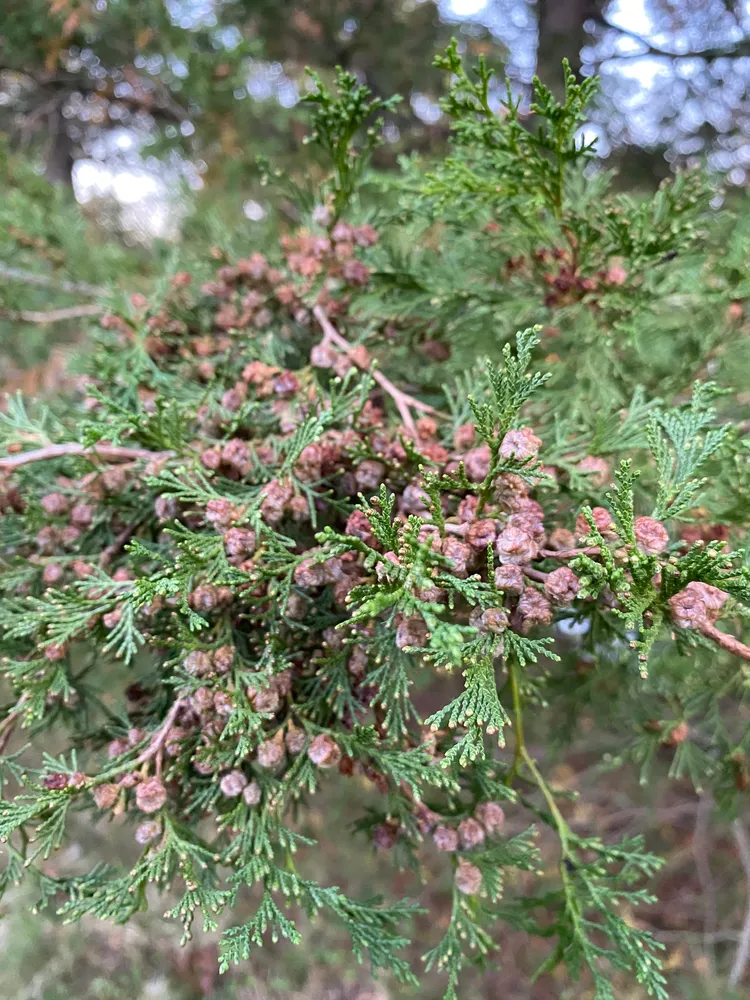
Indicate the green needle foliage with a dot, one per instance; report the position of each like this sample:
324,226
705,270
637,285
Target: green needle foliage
285,548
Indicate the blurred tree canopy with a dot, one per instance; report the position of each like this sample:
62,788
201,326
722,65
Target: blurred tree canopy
208,84
197,77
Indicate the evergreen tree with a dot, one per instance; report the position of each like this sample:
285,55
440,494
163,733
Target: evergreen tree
281,537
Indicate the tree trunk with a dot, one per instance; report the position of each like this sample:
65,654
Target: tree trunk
59,160
562,35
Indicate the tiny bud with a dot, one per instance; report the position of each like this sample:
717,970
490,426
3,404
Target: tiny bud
105,796
223,658
411,632
384,836
510,579
470,833
481,533
468,878
522,445
55,504
232,784
534,609
477,463
295,739
221,512
597,470
82,515
55,782
166,508
491,816
493,620
561,539
464,437
650,535
562,586
678,734
271,753
252,794
515,547
204,598
602,520
150,795
197,663
696,605
52,574
147,832
323,751
114,479
446,838
117,747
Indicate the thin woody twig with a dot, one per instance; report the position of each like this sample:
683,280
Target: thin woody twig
701,852
591,550
743,948
726,641
161,735
8,724
49,281
122,539
52,315
109,452
535,574
6,729
404,402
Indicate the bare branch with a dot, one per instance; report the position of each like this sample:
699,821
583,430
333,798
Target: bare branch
535,574
122,540
743,948
701,853
8,724
592,550
726,641
161,735
404,402
52,315
49,281
109,452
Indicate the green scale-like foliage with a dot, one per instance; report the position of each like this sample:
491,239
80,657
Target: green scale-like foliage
282,556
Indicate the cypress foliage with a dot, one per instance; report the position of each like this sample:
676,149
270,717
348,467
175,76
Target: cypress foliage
244,500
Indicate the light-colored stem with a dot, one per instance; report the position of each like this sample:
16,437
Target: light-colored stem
535,574
701,853
591,550
161,735
404,402
726,641
52,315
743,948
49,281
8,724
109,452
122,539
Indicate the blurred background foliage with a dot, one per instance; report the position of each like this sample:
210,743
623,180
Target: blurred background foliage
135,137
147,119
